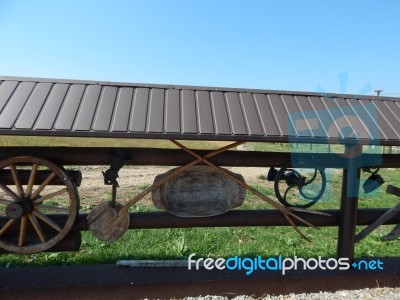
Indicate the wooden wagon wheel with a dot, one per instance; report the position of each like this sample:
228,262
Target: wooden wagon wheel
28,208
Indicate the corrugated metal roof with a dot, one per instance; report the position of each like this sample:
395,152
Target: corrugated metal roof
31,106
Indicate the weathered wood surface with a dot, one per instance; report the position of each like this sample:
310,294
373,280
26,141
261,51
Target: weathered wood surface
198,192
115,224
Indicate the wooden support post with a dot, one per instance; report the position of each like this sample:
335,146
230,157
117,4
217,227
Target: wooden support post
349,202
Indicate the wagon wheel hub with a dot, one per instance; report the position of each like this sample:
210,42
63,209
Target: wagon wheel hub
19,208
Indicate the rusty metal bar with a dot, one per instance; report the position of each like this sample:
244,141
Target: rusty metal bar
144,156
248,218
7,179
349,203
146,220
176,157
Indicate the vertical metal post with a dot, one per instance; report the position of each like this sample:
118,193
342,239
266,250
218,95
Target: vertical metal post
349,202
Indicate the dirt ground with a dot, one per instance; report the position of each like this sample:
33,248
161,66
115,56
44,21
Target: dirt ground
133,179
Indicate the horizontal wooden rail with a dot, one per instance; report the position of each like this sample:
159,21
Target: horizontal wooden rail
142,220
41,175
148,220
72,242
176,157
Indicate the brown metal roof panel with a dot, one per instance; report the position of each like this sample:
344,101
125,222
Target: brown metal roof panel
33,106
7,88
204,113
122,110
380,120
325,118
395,110
389,115
220,113
376,124
295,117
102,119
139,110
267,119
51,108
340,125
102,109
14,106
195,88
188,108
308,112
350,124
172,111
360,119
251,114
235,113
280,115
69,107
155,120
87,108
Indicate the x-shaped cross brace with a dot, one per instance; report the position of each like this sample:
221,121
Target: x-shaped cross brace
286,212
108,223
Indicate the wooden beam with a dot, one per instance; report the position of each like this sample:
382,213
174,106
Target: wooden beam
236,217
6,177
176,157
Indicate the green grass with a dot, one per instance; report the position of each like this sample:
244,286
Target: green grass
206,242
293,147
223,242
308,148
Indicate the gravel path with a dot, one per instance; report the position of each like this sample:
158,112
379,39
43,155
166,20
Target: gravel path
376,294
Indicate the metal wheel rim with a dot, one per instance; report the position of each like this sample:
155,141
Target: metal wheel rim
282,200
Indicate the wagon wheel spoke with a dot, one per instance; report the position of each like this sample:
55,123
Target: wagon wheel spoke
43,185
49,196
9,192
6,226
5,201
32,228
47,220
32,178
17,180
37,228
22,232
53,208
